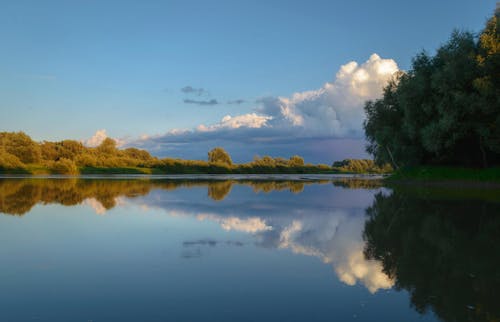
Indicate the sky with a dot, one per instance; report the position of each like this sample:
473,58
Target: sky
180,77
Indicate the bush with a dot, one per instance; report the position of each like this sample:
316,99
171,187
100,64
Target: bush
63,166
10,161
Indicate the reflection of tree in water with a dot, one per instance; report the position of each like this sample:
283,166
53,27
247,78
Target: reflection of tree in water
218,190
445,253
357,183
268,186
18,196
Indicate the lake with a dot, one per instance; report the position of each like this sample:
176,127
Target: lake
284,248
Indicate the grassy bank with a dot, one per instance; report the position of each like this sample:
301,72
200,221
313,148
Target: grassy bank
446,174
206,168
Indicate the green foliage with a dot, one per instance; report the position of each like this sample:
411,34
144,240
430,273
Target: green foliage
108,146
9,161
445,110
446,173
72,157
296,161
361,166
20,145
219,156
63,166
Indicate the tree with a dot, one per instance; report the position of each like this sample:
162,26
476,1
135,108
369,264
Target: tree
20,145
219,155
64,166
9,161
445,110
108,146
296,161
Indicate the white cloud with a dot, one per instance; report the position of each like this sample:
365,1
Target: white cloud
96,205
101,135
251,120
336,109
331,112
248,225
96,139
336,240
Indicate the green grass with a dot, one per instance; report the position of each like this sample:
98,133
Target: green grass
446,174
119,170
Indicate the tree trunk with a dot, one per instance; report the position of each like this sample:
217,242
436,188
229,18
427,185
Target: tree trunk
392,158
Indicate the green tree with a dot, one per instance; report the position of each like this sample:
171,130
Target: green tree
108,146
445,110
296,161
219,155
9,161
20,145
64,166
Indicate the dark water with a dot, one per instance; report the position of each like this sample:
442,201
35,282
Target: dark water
163,250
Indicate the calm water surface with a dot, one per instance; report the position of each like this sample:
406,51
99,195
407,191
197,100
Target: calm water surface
184,250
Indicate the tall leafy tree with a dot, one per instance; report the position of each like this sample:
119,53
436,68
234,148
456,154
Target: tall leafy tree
445,110
219,155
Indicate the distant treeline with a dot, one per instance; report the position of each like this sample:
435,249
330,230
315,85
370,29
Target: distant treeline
446,109
20,154
361,166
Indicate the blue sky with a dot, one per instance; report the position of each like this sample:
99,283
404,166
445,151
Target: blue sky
70,68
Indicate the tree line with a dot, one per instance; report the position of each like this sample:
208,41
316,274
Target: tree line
20,154
446,109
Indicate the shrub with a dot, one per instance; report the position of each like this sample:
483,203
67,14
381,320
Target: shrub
63,166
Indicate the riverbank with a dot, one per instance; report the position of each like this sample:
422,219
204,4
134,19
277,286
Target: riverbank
446,174
200,169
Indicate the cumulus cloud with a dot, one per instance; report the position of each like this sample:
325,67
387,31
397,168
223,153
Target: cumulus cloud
96,139
100,136
252,121
192,90
336,240
335,109
332,112
95,205
201,102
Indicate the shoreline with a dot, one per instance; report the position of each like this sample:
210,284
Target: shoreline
214,177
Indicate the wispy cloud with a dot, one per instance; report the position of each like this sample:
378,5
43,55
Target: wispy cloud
211,242
237,102
192,90
201,102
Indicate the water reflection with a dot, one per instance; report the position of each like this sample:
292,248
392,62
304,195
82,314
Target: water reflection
310,225
18,196
441,245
